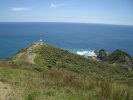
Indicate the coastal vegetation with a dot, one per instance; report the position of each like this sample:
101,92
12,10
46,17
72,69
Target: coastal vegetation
57,74
120,57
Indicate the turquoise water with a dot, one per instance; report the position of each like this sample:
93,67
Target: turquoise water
69,36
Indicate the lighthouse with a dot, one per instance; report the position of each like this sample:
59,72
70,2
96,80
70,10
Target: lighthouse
40,40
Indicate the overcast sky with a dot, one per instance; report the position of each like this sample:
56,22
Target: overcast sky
83,11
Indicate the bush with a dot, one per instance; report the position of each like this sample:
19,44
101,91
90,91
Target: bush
31,95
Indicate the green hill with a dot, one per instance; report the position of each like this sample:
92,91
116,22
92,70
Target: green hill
44,72
42,56
121,57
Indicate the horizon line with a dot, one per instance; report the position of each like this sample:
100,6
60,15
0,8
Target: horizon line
64,22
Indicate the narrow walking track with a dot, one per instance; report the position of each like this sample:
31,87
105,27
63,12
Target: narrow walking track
5,89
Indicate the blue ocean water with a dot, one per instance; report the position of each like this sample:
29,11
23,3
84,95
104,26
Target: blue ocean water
70,36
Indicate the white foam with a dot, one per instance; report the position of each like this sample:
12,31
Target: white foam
89,53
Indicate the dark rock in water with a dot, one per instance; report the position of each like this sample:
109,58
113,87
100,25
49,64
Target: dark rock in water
96,52
120,57
102,54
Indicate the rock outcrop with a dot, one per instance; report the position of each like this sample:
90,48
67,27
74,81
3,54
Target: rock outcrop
102,54
120,57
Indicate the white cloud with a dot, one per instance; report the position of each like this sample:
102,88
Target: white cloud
53,5
20,9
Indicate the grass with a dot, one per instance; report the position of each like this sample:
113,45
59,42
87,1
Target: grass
55,84
51,57
38,60
60,75
110,90
32,95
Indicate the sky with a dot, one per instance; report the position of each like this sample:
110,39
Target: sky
76,11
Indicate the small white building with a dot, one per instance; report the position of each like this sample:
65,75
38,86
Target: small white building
40,40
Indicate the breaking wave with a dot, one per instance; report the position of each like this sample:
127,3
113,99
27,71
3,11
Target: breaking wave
89,53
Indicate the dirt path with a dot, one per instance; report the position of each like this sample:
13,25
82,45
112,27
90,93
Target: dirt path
28,55
31,58
5,89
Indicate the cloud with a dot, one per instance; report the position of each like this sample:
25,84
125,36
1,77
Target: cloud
53,5
20,9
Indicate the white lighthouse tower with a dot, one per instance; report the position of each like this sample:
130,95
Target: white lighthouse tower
40,40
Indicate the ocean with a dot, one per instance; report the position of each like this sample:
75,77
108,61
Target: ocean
73,37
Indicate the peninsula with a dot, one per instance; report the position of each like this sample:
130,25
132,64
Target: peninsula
41,71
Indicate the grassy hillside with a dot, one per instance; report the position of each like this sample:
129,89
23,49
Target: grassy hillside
43,56
57,84
51,57
43,72
120,57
